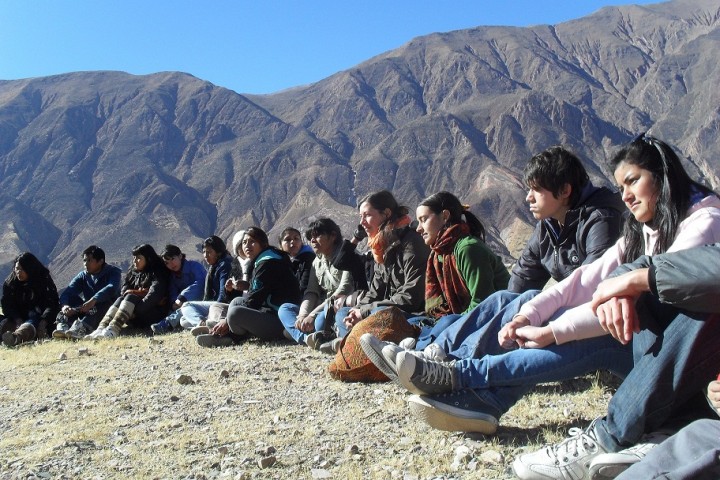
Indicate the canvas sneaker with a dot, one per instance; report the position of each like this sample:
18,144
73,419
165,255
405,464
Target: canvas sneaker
162,327
78,331
200,330
60,330
461,411
376,350
570,458
610,465
315,339
424,376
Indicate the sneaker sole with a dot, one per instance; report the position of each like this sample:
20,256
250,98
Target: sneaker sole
607,472
59,335
379,360
453,420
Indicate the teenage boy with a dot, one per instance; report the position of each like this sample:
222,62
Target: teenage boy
88,296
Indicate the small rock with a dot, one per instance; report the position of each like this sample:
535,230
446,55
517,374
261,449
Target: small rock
124,356
223,450
174,398
320,473
83,351
267,462
224,374
267,451
352,449
62,357
154,341
492,456
183,379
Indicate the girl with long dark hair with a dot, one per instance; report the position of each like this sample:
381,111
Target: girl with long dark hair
29,302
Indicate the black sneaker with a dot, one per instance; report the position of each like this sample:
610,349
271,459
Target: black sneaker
462,411
424,376
162,327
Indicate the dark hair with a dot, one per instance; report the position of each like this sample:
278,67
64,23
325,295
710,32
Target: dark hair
447,201
382,200
153,260
286,231
171,251
216,244
674,186
324,226
259,235
30,265
554,167
95,252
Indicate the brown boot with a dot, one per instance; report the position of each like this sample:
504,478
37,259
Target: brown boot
122,317
24,333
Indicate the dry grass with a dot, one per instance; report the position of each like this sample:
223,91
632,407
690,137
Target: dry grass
120,413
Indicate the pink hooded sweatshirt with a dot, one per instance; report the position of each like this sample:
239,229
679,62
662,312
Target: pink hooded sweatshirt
702,226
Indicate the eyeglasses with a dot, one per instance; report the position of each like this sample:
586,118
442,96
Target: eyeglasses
653,142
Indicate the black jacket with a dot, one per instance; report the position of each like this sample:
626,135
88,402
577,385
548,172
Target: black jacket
39,295
400,280
301,265
590,228
272,282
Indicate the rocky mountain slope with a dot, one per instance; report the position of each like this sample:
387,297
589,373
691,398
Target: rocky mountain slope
116,159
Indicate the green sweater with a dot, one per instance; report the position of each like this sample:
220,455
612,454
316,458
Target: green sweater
482,270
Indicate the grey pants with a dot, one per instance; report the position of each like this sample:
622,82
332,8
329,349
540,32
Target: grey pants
244,321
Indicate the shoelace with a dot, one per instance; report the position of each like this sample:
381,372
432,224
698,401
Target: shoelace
435,373
579,442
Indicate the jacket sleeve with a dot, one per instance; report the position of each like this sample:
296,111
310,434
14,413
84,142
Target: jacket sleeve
157,291
51,302
73,290
194,291
476,263
112,289
599,233
9,302
688,279
312,294
529,272
223,274
261,285
408,291
345,287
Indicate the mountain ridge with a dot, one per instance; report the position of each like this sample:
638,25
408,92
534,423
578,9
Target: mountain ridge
116,159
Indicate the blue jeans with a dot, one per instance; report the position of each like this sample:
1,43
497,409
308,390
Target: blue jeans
475,333
693,452
429,334
193,313
288,314
501,380
676,355
174,318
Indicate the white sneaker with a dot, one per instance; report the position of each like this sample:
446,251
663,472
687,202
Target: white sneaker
434,352
570,458
408,343
108,333
95,334
610,465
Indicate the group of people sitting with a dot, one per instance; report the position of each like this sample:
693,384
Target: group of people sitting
635,279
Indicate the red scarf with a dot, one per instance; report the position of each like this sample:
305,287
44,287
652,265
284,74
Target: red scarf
445,289
385,237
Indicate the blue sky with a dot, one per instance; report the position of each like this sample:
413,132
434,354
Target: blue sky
259,46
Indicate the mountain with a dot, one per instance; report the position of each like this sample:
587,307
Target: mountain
116,160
